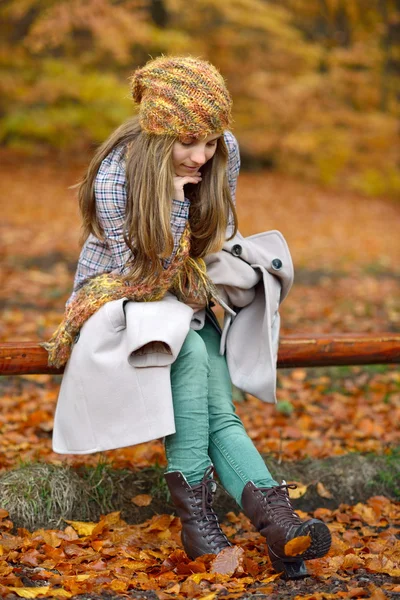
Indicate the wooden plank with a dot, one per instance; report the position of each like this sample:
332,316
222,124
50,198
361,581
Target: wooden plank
339,349
22,358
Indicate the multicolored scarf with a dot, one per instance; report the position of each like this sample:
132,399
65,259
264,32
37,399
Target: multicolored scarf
185,277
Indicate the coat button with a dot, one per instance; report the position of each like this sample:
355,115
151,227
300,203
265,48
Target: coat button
237,250
276,264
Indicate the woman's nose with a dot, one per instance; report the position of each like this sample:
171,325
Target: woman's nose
198,156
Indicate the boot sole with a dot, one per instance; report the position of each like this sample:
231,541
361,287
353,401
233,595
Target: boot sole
294,569
321,539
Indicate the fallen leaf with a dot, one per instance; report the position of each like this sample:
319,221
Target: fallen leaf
228,561
34,592
175,589
357,592
270,578
142,500
82,527
376,593
299,491
322,491
297,545
351,561
299,374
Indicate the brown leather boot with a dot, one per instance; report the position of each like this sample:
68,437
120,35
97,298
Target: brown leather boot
272,514
201,533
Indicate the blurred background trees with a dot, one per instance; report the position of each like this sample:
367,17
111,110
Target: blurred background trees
315,82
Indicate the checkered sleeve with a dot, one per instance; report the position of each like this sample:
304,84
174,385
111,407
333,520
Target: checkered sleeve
110,192
232,171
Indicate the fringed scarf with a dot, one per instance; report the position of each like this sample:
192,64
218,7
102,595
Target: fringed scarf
185,277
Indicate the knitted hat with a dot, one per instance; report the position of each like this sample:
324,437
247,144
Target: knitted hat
181,95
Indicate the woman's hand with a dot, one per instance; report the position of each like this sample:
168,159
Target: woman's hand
179,182
196,307
195,303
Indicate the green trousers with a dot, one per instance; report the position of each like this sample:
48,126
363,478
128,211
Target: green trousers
208,429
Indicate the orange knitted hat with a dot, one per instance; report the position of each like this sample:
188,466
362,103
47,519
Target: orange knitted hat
181,95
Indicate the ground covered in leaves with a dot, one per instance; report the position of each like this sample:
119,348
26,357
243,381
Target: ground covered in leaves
111,555
345,250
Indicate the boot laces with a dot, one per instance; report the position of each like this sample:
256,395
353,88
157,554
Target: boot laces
277,501
203,496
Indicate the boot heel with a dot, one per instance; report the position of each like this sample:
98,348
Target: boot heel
289,569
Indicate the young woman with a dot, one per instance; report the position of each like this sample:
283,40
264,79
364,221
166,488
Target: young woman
162,187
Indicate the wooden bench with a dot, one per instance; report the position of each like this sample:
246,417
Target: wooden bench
23,358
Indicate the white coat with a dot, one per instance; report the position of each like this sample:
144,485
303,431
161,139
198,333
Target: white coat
113,394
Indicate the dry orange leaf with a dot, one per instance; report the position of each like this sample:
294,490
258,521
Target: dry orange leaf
299,374
175,589
228,561
352,561
142,499
376,593
322,491
297,545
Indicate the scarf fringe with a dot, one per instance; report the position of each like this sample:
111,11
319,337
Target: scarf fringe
186,277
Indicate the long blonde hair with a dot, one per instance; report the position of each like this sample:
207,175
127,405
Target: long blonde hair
149,180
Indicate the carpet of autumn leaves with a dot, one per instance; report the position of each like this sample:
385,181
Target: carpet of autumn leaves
111,555
345,249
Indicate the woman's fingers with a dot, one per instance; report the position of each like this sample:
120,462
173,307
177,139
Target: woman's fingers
196,307
179,182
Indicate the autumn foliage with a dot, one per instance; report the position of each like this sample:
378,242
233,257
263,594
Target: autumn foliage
111,555
346,280
315,91
315,83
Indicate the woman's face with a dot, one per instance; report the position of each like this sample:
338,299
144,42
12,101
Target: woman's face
189,155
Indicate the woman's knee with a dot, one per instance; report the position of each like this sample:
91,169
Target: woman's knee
194,350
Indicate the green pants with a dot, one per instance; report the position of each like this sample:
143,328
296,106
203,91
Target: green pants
207,428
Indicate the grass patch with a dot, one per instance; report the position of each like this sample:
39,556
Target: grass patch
41,495
390,476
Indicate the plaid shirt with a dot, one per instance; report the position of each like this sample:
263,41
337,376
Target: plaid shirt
112,253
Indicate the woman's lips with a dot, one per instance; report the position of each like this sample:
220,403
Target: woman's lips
191,168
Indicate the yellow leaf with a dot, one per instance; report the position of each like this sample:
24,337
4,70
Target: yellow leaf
164,535
270,578
197,577
82,577
34,592
142,500
297,545
175,589
118,585
1,550
209,596
299,491
29,592
322,491
82,527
